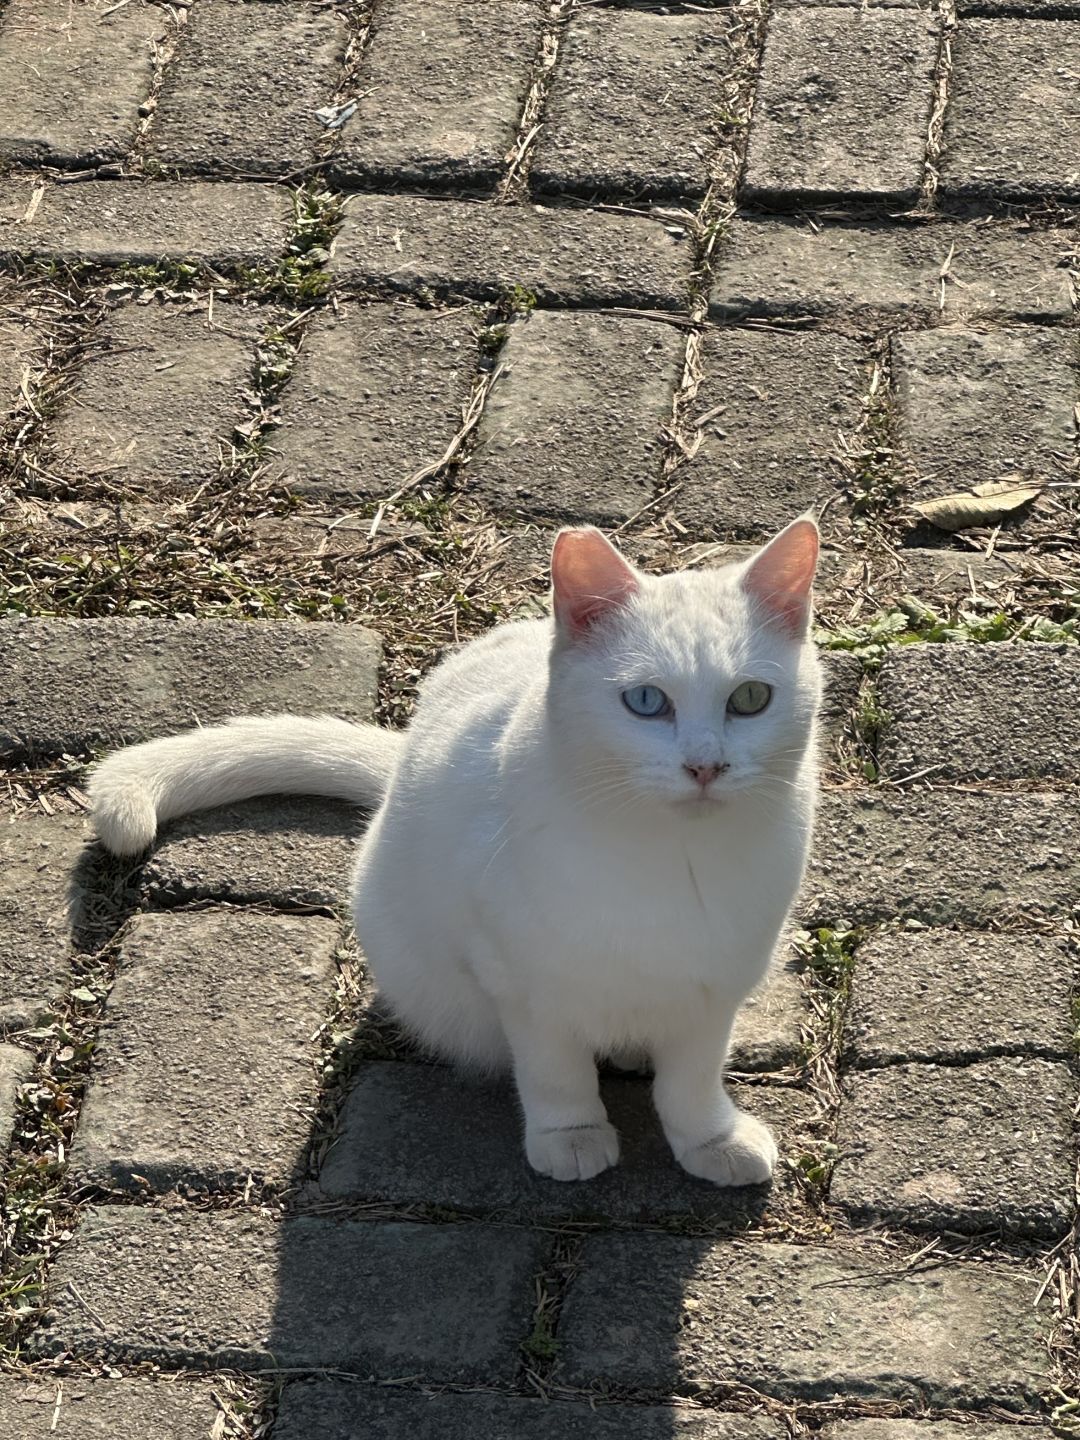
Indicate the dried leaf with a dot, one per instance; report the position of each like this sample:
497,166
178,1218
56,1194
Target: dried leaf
983,504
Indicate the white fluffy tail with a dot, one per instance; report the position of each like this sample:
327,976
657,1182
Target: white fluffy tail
133,790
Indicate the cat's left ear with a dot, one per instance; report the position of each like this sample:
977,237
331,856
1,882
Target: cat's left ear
780,577
589,578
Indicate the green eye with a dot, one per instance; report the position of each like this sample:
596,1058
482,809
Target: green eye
750,698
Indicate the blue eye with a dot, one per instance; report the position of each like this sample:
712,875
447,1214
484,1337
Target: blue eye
648,701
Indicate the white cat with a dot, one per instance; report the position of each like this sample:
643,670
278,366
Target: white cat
588,839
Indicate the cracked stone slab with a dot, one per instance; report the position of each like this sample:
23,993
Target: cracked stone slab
15,1068
779,267
973,405
74,1408
419,1134
333,1411
158,399
200,1076
572,427
242,92
800,1322
842,106
961,1148
631,109
118,222
239,1291
289,851
40,903
75,76
377,392
442,88
775,404
942,857
1013,123
977,712
958,995
563,256
73,684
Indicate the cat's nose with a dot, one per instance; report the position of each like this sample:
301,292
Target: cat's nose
704,774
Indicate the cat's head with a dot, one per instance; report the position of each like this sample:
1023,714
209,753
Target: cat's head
689,688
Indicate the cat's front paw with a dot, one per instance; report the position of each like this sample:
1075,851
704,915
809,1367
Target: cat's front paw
578,1153
745,1155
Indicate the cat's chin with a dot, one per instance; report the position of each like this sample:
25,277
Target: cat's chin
699,803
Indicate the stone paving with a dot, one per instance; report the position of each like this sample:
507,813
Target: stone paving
316,321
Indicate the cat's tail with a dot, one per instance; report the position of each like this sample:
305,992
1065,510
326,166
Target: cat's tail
132,790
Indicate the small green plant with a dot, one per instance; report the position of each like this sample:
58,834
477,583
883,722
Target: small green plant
913,623
869,721
816,1167
541,1343
829,954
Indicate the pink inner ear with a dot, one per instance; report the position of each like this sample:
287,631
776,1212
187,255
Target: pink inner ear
781,576
589,578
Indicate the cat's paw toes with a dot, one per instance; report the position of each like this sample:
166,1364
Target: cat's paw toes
574,1154
746,1155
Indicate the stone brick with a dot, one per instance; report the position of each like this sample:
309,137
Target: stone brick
937,576
377,392
75,76
201,1075
768,1028
115,222
843,676
632,104
842,106
572,428
1013,123
769,453
441,90
563,256
40,902
800,1323
978,712
72,684
242,93
943,857
959,995
419,1134
960,1148
333,1411
779,267
73,1408
15,1067
157,401
239,1291
893,1428
288,851
977,405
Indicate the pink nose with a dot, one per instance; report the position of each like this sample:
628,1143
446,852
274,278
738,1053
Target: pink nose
704,774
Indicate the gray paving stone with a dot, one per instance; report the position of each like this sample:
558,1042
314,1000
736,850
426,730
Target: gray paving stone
769,453
800,1322
75,77
72,684
572,427
938,576
962,1148
73,1408
447,1302
780,267
441,90
632,105
768,1031
376,393
288,851
116,222
15,1068
242,92
39,902
334,1411
943,857
418,1134
203,1072
893,1428
157,401
959,995
842,105
977,712
976,405
1009,78
843,677
563,256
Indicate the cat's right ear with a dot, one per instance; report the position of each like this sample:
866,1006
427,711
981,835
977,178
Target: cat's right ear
589,578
